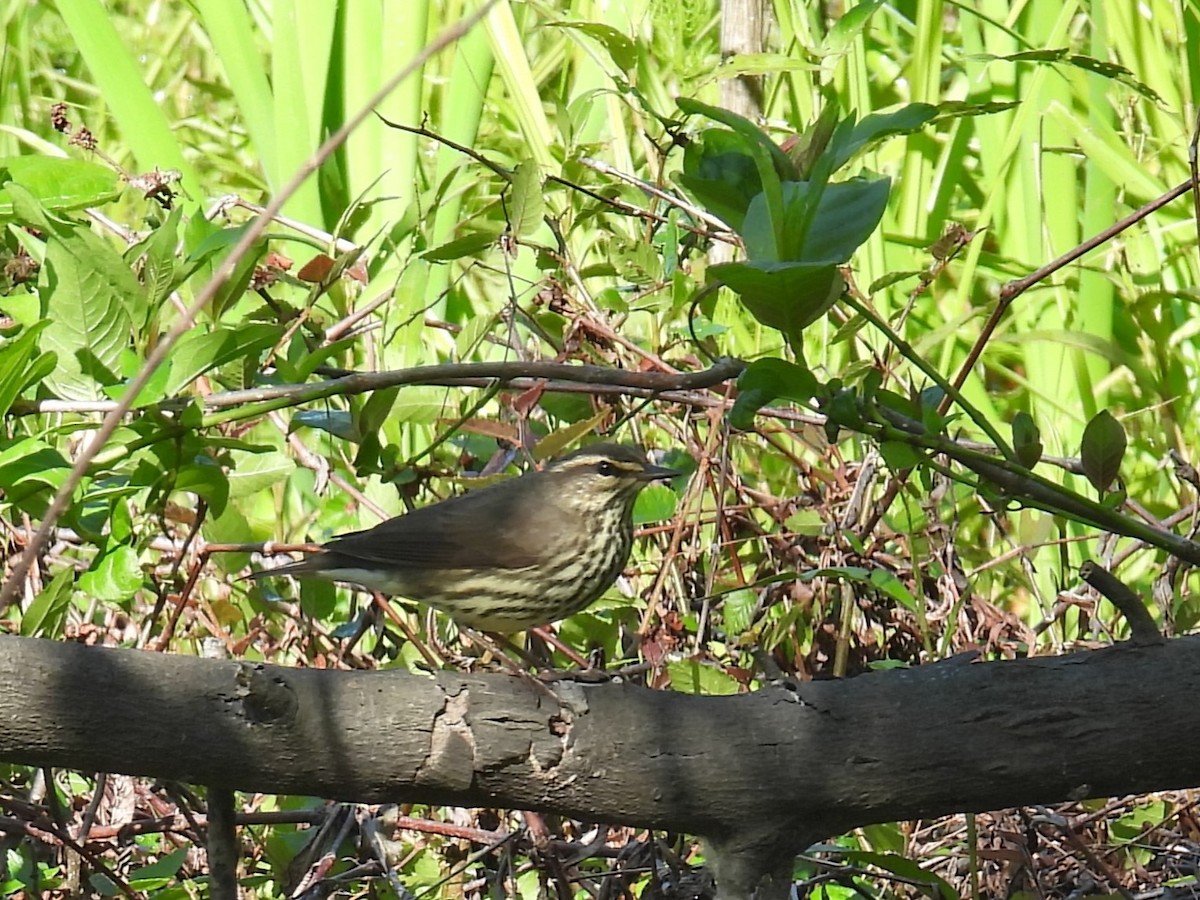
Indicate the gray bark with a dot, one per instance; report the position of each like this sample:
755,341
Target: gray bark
760,775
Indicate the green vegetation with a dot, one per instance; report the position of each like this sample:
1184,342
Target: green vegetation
918,458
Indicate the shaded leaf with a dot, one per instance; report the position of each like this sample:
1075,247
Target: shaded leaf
767,380
1102,450
525,201
1026,439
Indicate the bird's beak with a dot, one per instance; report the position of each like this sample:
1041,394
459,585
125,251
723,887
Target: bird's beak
657,473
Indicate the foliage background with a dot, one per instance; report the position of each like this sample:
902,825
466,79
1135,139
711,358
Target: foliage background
441,257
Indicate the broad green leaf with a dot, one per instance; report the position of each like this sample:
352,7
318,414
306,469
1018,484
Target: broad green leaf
767,380
87,293
206,480
201,351
772,163
45,614
113,576
656,503
16,365
719,171
844,216
689,676
57,183
151,392
250,473
1026,440
1102,450
30,465
899,455
526,202
785,296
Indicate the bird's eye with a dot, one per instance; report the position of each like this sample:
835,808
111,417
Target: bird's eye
606,468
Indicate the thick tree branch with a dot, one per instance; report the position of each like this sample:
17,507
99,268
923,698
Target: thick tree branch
776,769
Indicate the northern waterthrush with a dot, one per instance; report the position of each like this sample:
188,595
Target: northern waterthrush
525,552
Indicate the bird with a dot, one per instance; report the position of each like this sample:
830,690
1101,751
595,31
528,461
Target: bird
516,555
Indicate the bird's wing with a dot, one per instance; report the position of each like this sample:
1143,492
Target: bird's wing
486,528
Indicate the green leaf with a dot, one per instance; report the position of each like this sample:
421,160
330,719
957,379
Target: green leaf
113,576
525,199
471,244
16,368
207,480
160,261
338,422
655,504
622,49
1102,450
30,465
785,296
737,608
928,883
719,171
877,126
766,380
46,613
250,473
201,351
850,26
689,676
899,455
57,183
87,293
847,214
1026,440
772,163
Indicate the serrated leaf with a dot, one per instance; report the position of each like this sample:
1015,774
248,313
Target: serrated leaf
1102,450
737,610
1026,440
525,200
57,183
